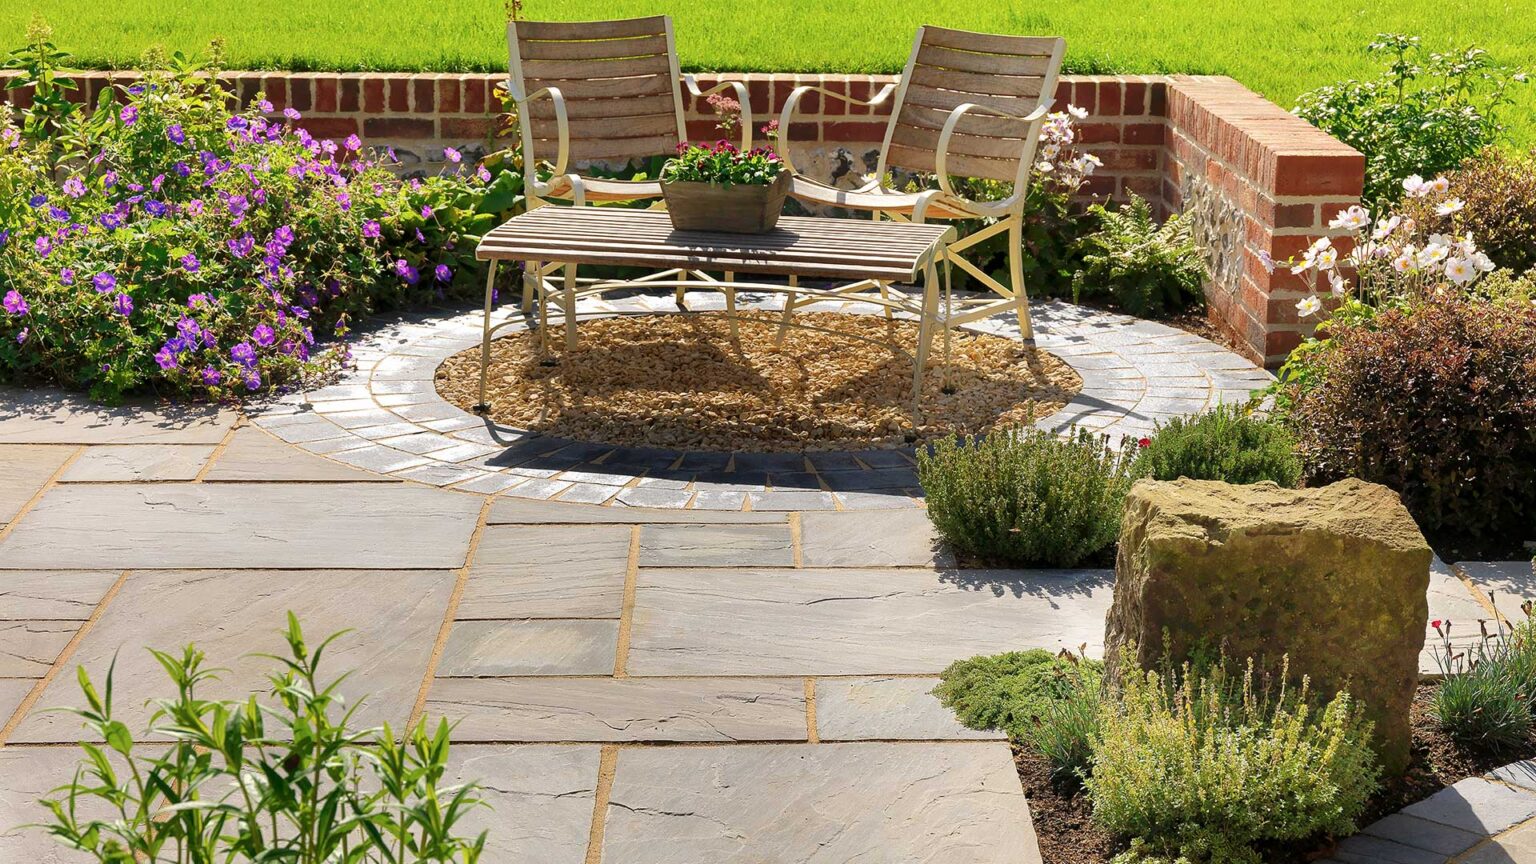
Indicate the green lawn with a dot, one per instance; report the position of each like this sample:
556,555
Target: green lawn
1288,47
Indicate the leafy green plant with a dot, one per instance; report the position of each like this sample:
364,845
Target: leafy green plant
1486,700
1232,443
723,164
1493,197
1436,400
257,780
38,64
1204,765
1425,113
1149,270
1026,496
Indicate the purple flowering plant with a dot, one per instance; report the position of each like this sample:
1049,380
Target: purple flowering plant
214,253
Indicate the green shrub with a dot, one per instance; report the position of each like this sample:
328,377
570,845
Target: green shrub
1230,443
1149,270
1025,496
1202,767
1497,189
265,779
1487,698
1045,700
1437,401
1425,114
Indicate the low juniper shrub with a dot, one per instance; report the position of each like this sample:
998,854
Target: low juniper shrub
1024,496
1232,443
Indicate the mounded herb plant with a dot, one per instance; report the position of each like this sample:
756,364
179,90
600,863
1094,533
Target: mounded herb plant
1232,443
1203,766
1025,496
281,776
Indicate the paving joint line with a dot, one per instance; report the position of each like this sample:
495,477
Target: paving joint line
607,766
1477,593
52,481
219,449
811,735
68,651
795,546
627,607
460,582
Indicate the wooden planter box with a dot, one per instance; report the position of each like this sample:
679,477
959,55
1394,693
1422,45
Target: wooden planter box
735,209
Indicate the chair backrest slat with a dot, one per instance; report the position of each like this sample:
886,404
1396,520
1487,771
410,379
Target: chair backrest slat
951,67
619,81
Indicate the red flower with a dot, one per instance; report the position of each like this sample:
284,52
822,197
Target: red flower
1435,623
1145,442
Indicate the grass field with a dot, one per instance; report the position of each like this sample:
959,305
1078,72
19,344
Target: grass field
1279,48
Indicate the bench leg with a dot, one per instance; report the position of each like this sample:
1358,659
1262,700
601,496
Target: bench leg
569,303
789,310
482,406
924,334
1016,274
730,303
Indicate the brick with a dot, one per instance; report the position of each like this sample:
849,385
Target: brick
1146,187
398,127
1100,186
1085,94
1143,133
275,87
1109,95
1295,215
300,93
399,93
1135,99
1098,133
467,128
760,93
326,94
330,127
474,96
835,107
1157,100
852,132
350,95
373,96
802,131
425,95
448,94
1120,159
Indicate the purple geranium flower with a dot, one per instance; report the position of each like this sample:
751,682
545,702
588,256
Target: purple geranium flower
284,235
242,246
156,208
452,155
175,134
123,305
265,106
104,282
405,271
110,221
212,377
371,229
236,123
353,143
482,174
426,211
43,244
291,114
129,115
58,214
344,200
109,179
166,358
37,201
187,331
14,303
263,335
442,273
244,354
22,336
67,276
190,263
73,187
252,379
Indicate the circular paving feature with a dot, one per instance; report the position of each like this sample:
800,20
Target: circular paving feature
695,382
386,415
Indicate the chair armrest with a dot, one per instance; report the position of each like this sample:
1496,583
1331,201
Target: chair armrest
941,153
741,97
562,126
793,102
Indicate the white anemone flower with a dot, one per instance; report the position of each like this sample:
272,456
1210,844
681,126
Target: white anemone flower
1308,306
1414,185
1086,163
1337,283
1404,262
1050,151
1044,167
1267,260
1432,254
1352,218
1460,270
1327,258
1482,262
1079,113
1449,206
1385,227
1440,185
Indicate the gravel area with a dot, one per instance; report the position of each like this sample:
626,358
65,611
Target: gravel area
681,381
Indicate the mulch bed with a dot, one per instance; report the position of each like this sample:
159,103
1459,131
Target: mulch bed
683,382
1067,834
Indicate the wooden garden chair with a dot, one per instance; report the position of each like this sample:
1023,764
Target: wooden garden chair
968,105
599,91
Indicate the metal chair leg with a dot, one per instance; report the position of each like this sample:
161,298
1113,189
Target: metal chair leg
483,406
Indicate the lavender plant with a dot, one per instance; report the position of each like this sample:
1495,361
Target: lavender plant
194,251
286,779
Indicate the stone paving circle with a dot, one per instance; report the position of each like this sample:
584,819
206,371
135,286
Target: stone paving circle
385,416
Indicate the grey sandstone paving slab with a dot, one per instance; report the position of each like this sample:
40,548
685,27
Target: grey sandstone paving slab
533,647
63,595
871,538
523,512
28,648
212,525
127,463
716,546
53,417
395,617
1508,583
1422,834
1450,600
874,803
1366,849
855,622
1476,805
25,469
12,691
621,709
255,456
540,799
547,571
1516,847
26,775
878,709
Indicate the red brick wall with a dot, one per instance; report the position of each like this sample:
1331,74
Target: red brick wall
1258,178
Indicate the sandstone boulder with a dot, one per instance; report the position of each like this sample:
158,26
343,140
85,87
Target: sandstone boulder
1335,577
